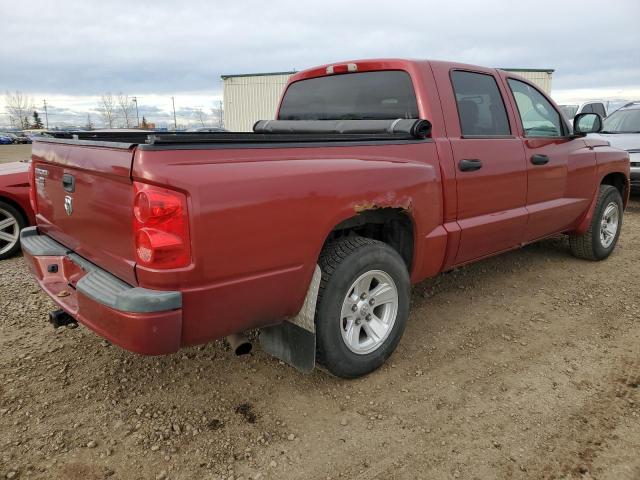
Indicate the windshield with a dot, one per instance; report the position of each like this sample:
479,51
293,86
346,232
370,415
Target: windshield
381,95
569,111
622,121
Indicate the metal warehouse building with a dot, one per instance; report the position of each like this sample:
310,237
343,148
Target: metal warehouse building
254,96
251,97
538,76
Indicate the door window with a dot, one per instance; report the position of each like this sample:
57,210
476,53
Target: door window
539,118
480,106
599,109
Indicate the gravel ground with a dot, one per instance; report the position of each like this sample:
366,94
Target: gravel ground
526,365
14,153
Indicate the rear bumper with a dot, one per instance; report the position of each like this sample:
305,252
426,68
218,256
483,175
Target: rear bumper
137,319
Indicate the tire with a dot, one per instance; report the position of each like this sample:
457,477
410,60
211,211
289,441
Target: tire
13,221
346,348
600,239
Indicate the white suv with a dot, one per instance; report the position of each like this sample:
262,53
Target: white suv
622,130
593,106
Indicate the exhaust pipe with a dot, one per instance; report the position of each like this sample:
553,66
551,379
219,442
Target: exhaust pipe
239,344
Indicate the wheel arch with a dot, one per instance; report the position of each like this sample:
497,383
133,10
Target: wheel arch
394,226
621,182
616,179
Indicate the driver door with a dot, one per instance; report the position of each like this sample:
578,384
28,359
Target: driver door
560,168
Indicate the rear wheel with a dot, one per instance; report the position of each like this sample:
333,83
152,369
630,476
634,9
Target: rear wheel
598,242
11,222
363,305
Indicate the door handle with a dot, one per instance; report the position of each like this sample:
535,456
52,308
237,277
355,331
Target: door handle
539,159
69,182
470,165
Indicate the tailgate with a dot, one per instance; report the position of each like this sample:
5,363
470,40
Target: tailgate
84,199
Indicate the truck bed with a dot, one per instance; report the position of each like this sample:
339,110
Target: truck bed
266,132
249,198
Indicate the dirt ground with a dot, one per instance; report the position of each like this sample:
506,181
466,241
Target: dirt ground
526,365
14,153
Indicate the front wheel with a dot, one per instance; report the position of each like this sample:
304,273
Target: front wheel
598,242
363,305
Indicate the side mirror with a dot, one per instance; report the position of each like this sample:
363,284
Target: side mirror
584,123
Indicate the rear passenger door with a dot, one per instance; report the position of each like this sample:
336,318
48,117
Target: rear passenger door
490,167
560,168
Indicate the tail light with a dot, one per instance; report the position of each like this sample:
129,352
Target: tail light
161,227
32,187
344,68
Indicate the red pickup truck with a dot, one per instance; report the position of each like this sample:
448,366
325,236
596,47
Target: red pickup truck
375,175
15,208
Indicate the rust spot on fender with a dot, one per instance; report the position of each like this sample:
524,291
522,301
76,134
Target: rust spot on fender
389,201
361,207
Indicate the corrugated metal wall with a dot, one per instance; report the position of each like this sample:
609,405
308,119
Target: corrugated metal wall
249,98
540,78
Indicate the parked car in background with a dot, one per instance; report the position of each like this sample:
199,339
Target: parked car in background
33,135
594,106
22,137
39,133
15,207
5,139
16,137
613,105
622,130
207,129
12,136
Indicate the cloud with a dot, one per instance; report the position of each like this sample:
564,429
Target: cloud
79,48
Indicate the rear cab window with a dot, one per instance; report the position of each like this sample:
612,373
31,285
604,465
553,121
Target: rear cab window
376,95
481,109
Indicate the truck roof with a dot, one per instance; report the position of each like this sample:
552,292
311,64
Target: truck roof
362,65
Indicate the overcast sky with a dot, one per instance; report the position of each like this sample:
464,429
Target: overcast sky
71,51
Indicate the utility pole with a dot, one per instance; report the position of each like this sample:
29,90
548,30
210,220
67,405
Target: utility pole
46,114
175,122
135,99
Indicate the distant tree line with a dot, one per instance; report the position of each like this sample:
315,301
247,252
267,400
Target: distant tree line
21,111
117,111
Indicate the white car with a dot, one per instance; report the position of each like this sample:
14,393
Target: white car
622,130
592,106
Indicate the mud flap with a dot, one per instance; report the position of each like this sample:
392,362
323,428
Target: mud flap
294,340
291,344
